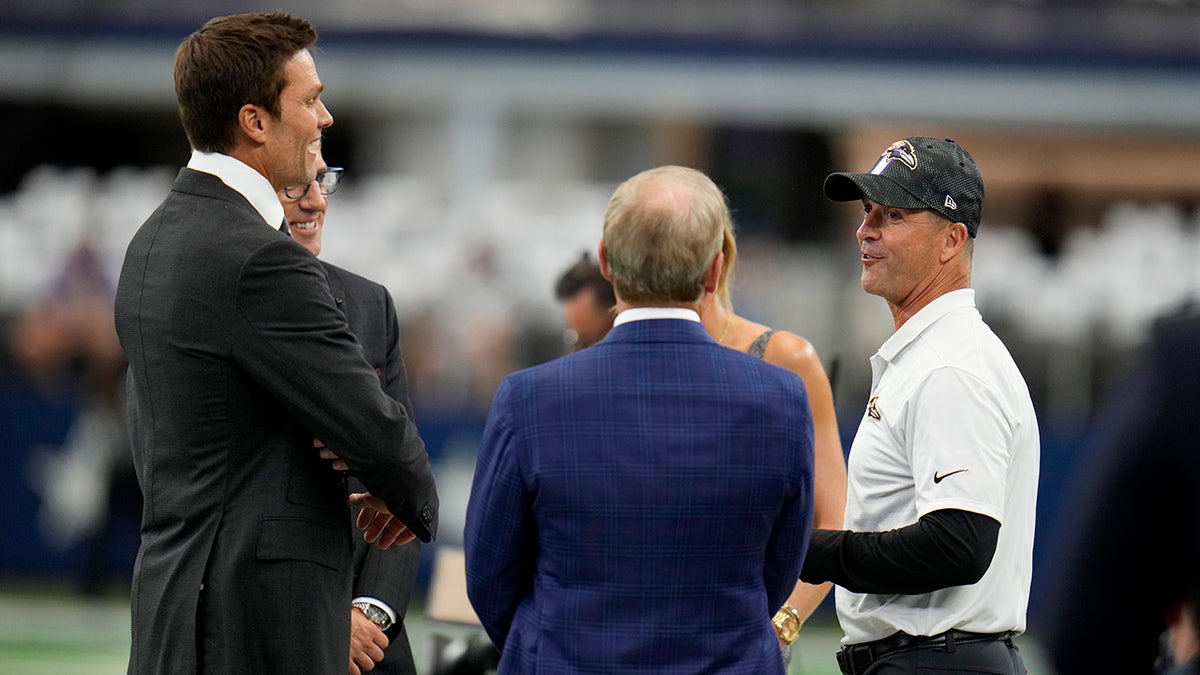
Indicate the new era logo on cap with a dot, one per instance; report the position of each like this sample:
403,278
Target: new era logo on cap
918,173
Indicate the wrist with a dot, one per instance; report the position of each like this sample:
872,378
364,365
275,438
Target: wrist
374,613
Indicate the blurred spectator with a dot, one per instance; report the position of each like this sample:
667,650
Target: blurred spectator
1182,643
587,303
1131,552
89,482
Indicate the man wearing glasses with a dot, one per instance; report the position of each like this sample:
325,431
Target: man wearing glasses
383,580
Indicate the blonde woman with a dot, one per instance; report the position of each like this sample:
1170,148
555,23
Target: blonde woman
798,355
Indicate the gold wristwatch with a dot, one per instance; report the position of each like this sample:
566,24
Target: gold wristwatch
787,624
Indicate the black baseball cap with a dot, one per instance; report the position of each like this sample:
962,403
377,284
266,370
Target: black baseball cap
918,173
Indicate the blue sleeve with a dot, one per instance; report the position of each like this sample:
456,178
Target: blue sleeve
499,539
789,541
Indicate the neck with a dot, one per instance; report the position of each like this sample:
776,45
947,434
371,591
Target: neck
253,160
945,281
714,316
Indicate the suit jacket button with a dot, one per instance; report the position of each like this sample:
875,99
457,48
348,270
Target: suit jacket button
427,516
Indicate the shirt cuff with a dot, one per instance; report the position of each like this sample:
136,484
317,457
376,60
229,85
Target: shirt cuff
378,603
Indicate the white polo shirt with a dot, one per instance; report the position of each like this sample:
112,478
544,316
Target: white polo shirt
949,425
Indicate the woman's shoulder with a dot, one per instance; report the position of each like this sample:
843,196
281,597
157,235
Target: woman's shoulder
792,352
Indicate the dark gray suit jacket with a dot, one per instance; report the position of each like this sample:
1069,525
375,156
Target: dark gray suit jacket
386,575
238,357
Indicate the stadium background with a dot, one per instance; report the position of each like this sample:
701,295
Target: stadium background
482,139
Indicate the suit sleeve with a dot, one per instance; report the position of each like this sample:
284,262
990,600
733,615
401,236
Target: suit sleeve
499,540
789,540
395,376
390,575
290,336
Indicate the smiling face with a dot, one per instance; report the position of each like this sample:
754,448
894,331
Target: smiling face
900,251
306,216
293,140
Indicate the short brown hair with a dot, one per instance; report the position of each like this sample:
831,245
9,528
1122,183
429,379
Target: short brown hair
662,232
585,273
230,62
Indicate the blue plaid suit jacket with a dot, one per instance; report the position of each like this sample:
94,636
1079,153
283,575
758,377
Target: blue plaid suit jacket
642,506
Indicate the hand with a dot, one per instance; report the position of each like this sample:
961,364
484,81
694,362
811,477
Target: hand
339,464
367,643
378,525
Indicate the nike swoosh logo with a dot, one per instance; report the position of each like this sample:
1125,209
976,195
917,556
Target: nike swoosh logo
937,478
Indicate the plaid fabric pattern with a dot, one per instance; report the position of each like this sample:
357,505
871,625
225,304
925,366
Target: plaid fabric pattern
642,506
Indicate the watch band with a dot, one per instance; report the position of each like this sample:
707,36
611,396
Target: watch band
787,624
375,614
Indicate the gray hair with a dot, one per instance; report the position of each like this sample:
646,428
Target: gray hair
662,231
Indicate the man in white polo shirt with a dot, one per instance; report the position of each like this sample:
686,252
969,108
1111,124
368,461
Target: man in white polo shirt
934,567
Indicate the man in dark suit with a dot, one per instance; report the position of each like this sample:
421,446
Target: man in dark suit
383,580
238,358
1130,551
644,505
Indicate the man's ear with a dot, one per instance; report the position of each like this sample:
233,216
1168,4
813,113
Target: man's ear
604,269
956,237
253,122
712,278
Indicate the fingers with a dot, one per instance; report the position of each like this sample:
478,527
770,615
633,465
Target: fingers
366,523
366,659
317,443
339,464
383,529
367,500
396,534
367,642
378,526
376,653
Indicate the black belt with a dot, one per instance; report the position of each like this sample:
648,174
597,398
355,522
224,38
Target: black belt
854,659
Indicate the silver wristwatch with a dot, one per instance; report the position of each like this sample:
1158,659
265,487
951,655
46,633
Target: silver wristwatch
375,614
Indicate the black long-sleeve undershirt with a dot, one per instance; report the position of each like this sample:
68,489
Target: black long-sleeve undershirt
945,548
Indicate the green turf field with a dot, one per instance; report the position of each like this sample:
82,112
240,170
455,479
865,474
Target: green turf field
51,631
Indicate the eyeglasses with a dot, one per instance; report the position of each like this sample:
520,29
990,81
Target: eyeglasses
327,180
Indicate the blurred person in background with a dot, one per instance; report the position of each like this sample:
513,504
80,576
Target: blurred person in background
89,485
238,357
587,302
797,355
933,570
383,580
638,505
1129,562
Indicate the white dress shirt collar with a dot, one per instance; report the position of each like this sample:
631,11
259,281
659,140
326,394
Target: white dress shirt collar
246,181
644,313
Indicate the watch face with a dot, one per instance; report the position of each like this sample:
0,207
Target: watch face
376,615
789,631
787,626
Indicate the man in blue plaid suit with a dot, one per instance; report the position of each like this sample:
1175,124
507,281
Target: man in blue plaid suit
644,505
